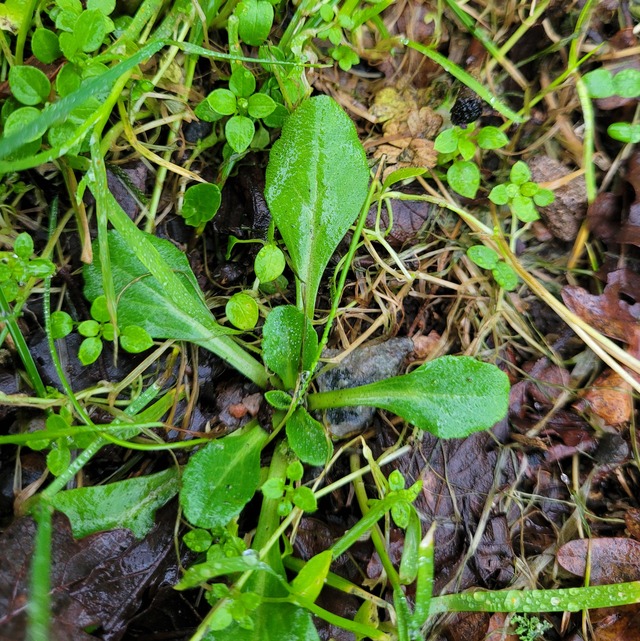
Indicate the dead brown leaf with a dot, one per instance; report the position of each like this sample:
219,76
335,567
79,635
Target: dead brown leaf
98,581
608,312
612,560
609,398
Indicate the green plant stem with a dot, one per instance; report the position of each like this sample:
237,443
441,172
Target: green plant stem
267,534
466,79
339,583
564,600
580,30
219,344
304,9
364,631
424,581
222,13
146,13
23,32
174,129
22,348
399,598
376,534
588,142
522,29
39,604
370,13
84,416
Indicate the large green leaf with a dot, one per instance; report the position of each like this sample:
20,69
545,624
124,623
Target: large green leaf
450,397
167,304
142,299
131,503
289,343
316,183
221,478
271,622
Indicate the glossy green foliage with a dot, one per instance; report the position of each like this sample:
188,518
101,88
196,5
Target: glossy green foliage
29,85
487,258
201,203
242,311
275,622
316,184
220,479
133,338
241,103
143,300
289,344
521,194
269,263
308,438
131,503
255,21
310,580
450,397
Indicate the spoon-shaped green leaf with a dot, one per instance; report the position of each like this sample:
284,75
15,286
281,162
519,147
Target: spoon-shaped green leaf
316,183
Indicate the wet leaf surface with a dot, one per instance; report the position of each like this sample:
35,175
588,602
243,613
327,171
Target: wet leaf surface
97,582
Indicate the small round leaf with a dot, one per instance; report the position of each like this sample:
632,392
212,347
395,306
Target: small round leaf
627,83
505,276
242,82
273,488
464,177
201,203
68,80
89,328
305,499
23,246
39,268
524,209
269,263
135,339
61,324
90,30
29,85
499,195
529,189
198,540
90,350
104,6
278,399
239,132
599,83
543,197
255,21
466,148
520,173
447,141
99,309
261,105
58,460
483,256
222,101
625,132
45,46
492,138
108,332
242,310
